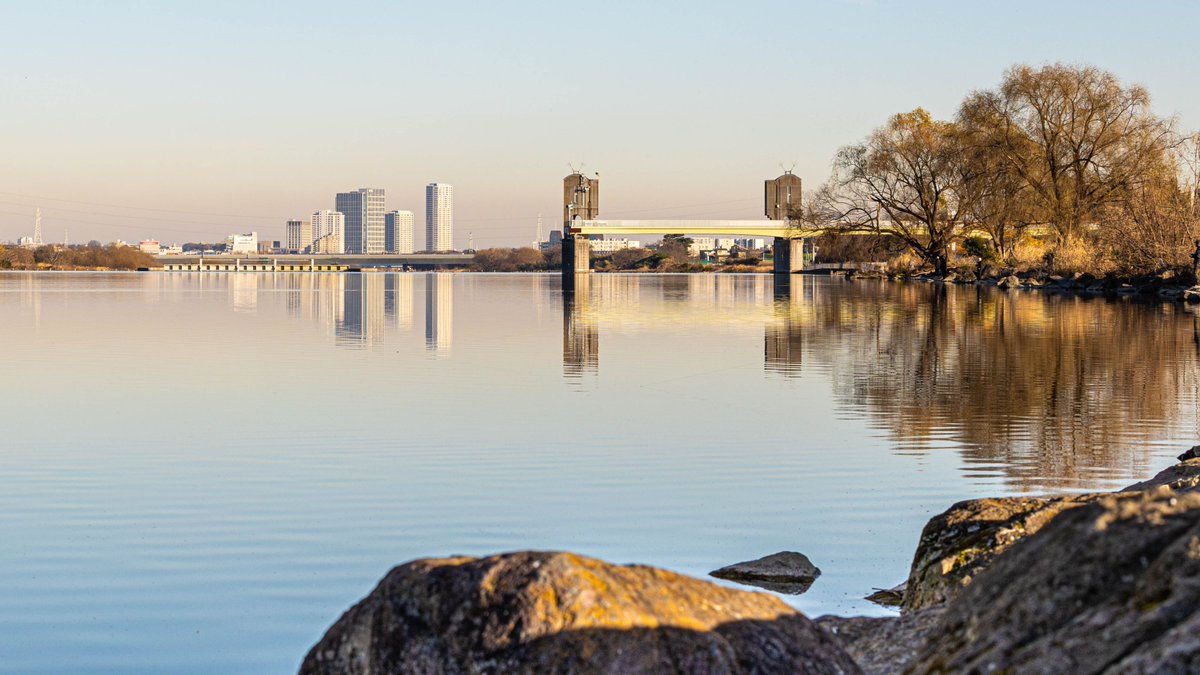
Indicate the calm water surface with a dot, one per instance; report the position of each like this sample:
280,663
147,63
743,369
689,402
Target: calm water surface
199,473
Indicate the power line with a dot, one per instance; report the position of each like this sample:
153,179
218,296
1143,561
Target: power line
135,208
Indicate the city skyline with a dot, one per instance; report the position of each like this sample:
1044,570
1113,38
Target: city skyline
204,151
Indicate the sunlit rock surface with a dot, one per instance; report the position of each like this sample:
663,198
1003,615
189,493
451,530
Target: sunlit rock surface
540,612
959,543
1110,586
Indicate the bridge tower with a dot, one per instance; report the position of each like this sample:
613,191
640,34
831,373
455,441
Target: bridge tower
781,201
581,201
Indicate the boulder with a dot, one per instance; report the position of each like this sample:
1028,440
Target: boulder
963,540
784,572
882,645
1010,281
1182,477
1112,586
538,612
1171,292
1192,453
1192,294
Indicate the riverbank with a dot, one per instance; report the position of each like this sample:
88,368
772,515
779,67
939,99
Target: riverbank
1087,583
1167,286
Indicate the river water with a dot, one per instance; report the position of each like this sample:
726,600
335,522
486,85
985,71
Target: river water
199,473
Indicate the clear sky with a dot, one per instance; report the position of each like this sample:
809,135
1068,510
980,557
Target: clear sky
187,121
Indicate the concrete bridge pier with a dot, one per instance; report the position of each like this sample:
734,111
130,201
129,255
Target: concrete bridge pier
576,257
789,255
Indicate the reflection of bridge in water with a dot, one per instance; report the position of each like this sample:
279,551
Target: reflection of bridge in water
715,299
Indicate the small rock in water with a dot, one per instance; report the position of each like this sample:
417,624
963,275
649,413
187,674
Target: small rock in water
784,572
1194,453
888,597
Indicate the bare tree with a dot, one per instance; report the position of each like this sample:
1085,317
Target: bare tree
1073,134
997,199
905,180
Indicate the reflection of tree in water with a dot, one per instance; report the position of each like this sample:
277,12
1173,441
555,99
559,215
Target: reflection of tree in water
1050,390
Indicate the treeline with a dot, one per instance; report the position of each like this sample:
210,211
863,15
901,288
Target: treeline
1061,168
91,256
524,259
671,255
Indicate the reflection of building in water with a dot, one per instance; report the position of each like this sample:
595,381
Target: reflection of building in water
243,292
362,318
581,337
398,299
439,310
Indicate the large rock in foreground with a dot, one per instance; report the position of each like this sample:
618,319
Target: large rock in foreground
1109,587
538,612
961,542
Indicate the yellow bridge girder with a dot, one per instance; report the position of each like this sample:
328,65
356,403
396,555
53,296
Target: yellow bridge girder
738,228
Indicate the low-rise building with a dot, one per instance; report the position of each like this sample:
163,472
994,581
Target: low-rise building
242,244
150,246
610,245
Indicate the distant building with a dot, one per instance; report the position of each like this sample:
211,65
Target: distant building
243,244
269,246
329,232
439,217
581,198
297,236
610,245
363,210
398,232
754,244
25,242
150,246
173,249
781,197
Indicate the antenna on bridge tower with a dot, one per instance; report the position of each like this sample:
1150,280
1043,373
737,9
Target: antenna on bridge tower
37,228
576,169
787,169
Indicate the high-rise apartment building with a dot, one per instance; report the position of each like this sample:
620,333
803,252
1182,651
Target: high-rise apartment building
328,232
363,209
439,217
297,236
398,231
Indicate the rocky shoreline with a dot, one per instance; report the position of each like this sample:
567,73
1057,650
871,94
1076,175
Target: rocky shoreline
1088,583
1166,286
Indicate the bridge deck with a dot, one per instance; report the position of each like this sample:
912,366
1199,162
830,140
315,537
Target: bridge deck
742,228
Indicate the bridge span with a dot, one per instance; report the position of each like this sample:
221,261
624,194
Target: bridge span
734,228
781,203
420,261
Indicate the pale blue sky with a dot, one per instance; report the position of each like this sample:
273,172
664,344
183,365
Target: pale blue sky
261,111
